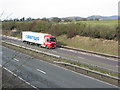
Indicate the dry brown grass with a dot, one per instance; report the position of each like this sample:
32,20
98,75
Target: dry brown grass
92,44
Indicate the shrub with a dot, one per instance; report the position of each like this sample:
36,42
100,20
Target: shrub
70,33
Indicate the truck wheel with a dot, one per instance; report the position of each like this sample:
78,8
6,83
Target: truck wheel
27,42
40,46
47,47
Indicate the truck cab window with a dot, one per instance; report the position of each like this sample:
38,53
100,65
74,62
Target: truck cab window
48,40
52,39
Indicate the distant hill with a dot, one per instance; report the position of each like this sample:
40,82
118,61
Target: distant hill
115,17
73,18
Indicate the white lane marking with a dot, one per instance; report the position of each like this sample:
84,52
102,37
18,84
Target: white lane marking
53,51
20,78
117,66
16,59
81,57
41,71
69,50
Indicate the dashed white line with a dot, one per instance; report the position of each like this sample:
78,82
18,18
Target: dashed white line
53,51
41,71
117,66
16,59
81,57
69,50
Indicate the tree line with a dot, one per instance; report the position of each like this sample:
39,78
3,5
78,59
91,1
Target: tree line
54,19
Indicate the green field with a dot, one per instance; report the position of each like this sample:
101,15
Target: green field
110,23
102,22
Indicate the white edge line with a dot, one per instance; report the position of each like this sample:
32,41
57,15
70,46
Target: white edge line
41,71
20,78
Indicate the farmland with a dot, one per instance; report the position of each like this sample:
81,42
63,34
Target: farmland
110,23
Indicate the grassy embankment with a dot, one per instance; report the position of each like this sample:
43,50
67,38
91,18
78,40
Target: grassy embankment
87,43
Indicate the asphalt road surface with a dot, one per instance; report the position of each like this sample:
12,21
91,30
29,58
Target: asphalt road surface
80,57
45,75
11,81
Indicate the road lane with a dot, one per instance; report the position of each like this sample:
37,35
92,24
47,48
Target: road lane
55,76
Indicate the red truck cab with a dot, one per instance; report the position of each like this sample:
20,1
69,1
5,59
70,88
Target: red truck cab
50,41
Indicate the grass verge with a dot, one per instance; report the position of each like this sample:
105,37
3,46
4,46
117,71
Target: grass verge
92,44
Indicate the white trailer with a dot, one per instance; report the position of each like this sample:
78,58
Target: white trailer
33,37
42,39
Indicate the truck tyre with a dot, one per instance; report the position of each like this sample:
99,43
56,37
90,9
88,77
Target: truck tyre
47,47
40,46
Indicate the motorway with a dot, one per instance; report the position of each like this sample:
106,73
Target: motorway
42,74
77,56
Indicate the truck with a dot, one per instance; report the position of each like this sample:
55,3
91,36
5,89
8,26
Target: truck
40,39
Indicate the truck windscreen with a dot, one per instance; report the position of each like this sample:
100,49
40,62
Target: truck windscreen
52,39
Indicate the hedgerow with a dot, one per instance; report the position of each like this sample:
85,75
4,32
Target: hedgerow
70,29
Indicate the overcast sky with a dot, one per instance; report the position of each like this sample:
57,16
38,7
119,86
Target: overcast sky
57,8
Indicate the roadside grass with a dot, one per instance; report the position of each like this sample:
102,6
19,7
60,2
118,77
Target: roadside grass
92,44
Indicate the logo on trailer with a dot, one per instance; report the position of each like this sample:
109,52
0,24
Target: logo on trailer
32,37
